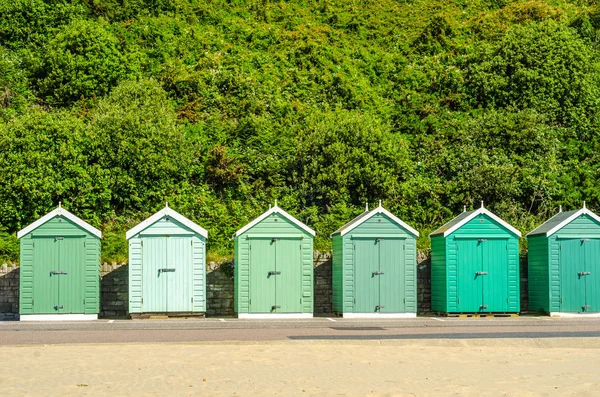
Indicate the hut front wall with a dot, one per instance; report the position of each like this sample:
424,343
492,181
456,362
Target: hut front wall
583,226
88,291
378,225
538,273
485,227
198,277
274,225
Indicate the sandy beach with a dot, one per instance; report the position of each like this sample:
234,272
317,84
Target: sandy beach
539,367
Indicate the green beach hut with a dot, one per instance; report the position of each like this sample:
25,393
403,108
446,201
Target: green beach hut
564,264
60,269
374,267
273,276
475,265
167,265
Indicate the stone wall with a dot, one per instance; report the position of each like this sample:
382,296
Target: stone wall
114,290
322,284
423,282
9,291
219,289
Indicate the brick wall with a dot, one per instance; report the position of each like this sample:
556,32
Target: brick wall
9,291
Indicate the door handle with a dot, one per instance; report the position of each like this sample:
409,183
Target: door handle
275,307
379,307
166,270
583,274
377,273
584,307
274,273
53,272
58,307
481,273
483,307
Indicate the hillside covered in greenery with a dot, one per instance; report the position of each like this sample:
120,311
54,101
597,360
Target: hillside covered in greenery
220,107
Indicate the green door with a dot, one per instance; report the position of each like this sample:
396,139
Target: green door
366,278
469,290
592,267
154,279
262,275
45,281
392,278
572,283
71,284
495,275
288,281
179,280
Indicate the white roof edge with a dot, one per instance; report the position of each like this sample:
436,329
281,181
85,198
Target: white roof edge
60,212
583,211
483,211
380,210
167,211
280,211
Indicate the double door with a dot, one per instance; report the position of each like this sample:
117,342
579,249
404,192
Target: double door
580,275
380,275
58,274
482,275
167,274
275,275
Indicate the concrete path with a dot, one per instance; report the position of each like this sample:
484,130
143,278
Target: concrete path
325,329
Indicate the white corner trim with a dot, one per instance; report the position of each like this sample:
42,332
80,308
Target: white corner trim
167,211
380,210
58,317
279,211
380,315
481,211
574,315
60,212
274,316
583,211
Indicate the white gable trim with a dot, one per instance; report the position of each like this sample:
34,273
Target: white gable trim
380,210
583,211
161,214
278,210
60,212
481,211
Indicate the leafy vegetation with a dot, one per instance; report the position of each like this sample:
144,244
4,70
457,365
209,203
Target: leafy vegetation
221,107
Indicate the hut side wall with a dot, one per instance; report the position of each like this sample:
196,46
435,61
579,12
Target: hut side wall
337,274
268,227
538,273
439,297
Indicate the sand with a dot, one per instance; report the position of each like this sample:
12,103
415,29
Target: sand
368,368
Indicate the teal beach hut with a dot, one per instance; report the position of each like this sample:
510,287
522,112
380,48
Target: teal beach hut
475,265
564,264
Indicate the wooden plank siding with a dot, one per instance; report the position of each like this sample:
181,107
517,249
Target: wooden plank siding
538,273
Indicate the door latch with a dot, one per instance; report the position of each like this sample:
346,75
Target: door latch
379,307
53,272
482,307
481,240
377,273
585,307
585,240
275,239
166,270
481,273
274,273
58,307
583,274
275,307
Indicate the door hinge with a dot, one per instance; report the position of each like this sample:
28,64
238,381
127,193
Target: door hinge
32,302
300,300
404,300
84,243
142,300
84,301
192,299
458,301
355,301
250,301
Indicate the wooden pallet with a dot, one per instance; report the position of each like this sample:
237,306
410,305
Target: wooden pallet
164,316
478,315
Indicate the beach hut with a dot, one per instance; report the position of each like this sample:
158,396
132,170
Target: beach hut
273,276
374,266
167,265
60,269
564,264
475,265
